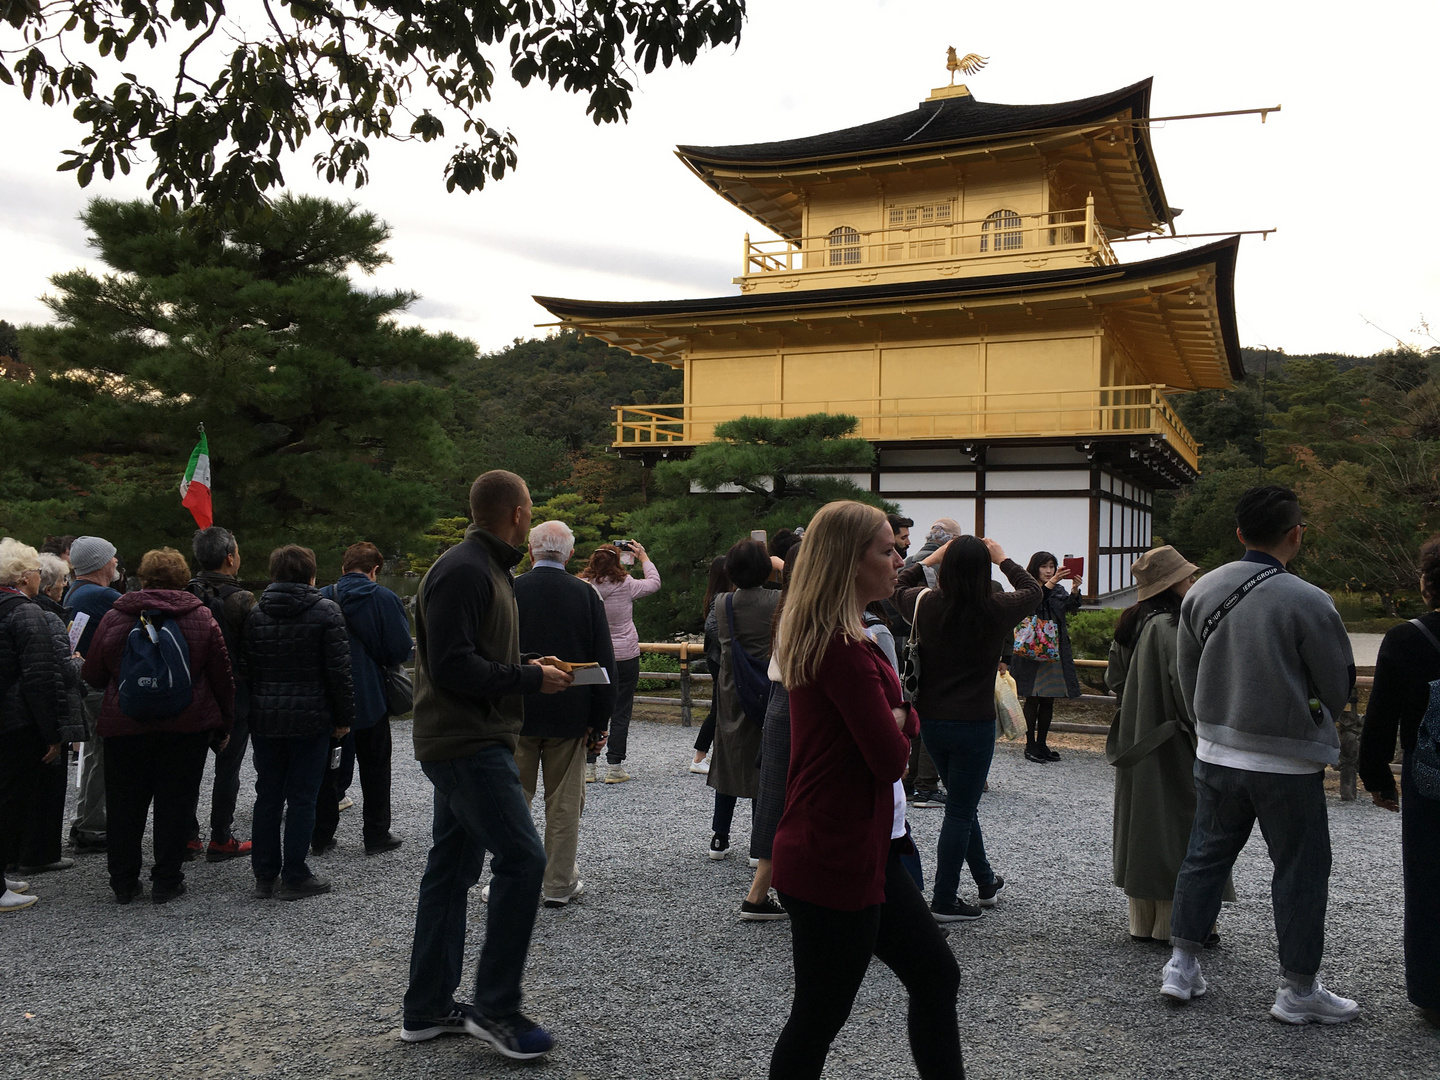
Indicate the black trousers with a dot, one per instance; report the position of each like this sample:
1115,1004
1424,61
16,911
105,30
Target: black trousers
1038,713
43,837
372,762
20,754
164,768
832,950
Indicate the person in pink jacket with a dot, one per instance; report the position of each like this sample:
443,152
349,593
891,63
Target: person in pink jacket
611,578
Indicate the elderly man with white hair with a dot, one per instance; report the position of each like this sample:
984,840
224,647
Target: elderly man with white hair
563,617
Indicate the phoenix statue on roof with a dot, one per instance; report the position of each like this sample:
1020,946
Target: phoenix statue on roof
968,64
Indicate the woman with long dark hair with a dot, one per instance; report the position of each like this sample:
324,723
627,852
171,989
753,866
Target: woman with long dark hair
839,844
1152,744
965,628
1040,682
610,577
717,583
1403,703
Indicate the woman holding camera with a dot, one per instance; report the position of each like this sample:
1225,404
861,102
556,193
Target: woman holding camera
609,575
1040,682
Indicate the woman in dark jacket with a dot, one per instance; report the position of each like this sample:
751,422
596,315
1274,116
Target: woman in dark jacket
158,759
717,585
964,629
1403,702
32,705
1039,682
301,696
734,773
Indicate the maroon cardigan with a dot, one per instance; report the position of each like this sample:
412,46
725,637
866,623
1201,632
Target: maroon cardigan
213,705
846,753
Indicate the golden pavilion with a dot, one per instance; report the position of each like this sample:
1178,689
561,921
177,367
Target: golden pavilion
947,276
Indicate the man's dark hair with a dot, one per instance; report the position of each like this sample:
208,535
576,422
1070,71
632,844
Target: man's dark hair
361,558
899,521
212,547
1265,514
292,563
748,564
57,545
782,542
494,496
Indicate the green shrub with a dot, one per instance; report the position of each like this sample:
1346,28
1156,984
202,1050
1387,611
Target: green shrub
1350,605
658,662
1091,633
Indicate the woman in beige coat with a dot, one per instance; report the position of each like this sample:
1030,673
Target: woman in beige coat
1152,745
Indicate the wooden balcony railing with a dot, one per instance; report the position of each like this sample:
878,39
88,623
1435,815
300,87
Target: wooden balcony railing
1015,235
1128,410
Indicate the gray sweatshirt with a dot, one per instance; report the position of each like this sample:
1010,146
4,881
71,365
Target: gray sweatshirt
1250,686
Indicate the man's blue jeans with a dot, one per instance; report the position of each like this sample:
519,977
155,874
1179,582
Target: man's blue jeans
962,751
1293,819
287,781
479,807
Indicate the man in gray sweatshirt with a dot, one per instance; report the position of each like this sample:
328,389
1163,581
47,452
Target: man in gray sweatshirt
1265,666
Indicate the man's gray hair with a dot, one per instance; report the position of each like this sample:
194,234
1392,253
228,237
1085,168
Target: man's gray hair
552,540
212,547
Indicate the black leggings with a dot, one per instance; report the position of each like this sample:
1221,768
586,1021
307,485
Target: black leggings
832,950
706,738
1038,713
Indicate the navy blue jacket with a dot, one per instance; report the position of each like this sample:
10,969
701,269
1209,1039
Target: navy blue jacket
94,600
564,617
379,638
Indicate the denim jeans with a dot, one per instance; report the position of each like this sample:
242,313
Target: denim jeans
479,807
962,750
287,780
1293,820
226,790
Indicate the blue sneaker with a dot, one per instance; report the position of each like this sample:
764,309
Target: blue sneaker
516,1036
451,1024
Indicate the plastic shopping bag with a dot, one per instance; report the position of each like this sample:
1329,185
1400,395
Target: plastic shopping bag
1009,717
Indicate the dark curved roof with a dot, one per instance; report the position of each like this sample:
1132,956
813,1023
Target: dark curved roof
933,123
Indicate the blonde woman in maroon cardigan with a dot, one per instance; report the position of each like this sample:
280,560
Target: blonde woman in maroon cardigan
838,846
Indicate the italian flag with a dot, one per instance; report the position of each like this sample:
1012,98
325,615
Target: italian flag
195,488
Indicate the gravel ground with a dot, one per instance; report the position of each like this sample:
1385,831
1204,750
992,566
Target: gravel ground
651,975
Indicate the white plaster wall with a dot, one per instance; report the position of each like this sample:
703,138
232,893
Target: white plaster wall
927,481
1023,526
1038,479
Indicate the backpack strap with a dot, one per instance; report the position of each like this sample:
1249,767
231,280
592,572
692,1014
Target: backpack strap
1426,631
1228,604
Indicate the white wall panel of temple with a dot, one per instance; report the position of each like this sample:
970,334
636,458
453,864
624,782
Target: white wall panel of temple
1023,526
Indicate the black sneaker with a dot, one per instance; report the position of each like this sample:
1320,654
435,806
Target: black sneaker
453,1023
164,894
516,1036
929,800
133,891
320,847
987,892
765,911
719,845
1050,755
264,888
310,886
1034,753
94,844
388,842
959,911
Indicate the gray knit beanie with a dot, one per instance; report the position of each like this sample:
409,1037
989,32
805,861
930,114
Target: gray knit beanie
90,553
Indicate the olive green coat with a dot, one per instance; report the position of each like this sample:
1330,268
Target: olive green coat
735,760
1152,746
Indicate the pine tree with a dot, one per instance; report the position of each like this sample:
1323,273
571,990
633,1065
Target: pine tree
321,431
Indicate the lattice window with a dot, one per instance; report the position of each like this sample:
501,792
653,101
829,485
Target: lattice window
1004,227
844,246
903,217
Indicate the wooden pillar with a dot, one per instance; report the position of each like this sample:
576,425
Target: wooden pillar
1092,559
980,492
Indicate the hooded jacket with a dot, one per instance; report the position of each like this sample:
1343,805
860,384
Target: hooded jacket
297,655
32,683
379,633
212,707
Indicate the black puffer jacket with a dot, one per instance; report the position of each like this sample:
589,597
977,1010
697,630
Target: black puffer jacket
32,680
73,728
297,655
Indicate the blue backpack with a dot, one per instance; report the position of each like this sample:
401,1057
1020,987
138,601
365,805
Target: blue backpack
155,670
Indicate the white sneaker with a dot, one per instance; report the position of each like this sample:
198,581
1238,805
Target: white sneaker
17,886
561,901
13,901
616,774
1320,1006
485,894
1182,982
701,767
590,772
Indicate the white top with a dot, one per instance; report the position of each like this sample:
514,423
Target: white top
1213,753
897,825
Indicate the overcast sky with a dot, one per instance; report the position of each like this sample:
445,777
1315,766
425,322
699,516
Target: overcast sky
1345,172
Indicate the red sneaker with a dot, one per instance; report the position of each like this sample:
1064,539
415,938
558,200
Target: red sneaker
193,849
230,849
